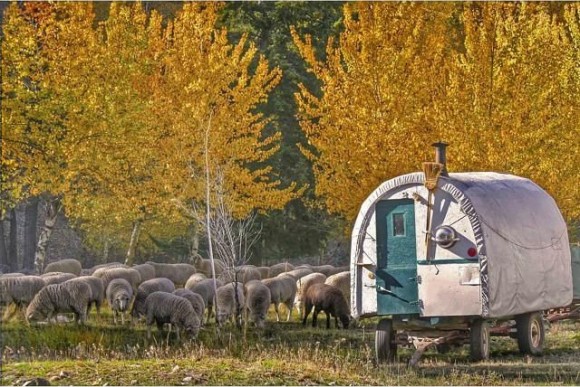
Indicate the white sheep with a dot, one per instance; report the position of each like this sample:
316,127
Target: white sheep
56,277
280,268
130,275
166,308
258,300
230,302
302,285
194,279
146,271
103,266
64,266
204,266
264,272
205,289
119,293
97,291
19,290
145,289
298,272
194,299
341,281
282,291
176,272
65,297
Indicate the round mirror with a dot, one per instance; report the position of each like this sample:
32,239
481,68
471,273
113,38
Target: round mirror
445,236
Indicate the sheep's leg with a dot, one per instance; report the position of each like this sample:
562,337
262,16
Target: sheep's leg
315,316
277,312
168,332
307,310
328,321
289,306
177,333
209,308
148,331
123,318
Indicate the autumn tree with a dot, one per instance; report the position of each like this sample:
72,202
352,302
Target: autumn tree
368,122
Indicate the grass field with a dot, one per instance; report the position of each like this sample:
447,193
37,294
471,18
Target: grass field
281,354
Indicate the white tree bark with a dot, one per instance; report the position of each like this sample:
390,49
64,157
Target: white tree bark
52,209
130,258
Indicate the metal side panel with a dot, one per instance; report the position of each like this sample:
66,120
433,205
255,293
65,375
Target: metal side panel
449,289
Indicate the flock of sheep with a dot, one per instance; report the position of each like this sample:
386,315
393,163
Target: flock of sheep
180,294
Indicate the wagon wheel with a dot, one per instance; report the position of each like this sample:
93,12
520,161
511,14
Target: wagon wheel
385,345
530,333
479,340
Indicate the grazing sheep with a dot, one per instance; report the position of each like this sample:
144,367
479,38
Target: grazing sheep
193,279
65,297
327,299
341,281
264,272
327,270
204,266
130,275
176,272
19,290
146,271
298,272
145,289
282,290
109,265
280,268
205,289
194,299
64,266
97,291
56,277
258,300
119,293
243,274
302,284
230,302
166,308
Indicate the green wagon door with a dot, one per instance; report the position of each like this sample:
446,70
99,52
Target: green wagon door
397,291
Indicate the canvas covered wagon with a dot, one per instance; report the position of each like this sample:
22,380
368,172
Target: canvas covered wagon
448,258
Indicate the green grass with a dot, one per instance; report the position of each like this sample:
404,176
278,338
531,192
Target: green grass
282,354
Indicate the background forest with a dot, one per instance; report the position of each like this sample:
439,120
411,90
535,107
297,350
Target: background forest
302,108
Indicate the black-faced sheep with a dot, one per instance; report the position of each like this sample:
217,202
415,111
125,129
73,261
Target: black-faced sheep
194,299
119,293
282,291
341,281
56,277
176,272
258,300
19,290
146,271
166,308
327,299
97,291
194,279
230,302
302,284
64,266
145,289
205,289
280,268
65,297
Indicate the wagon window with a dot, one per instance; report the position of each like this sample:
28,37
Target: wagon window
399,224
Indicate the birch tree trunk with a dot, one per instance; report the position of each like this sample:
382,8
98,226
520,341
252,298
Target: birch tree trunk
30,229
52,210
133,243
13,241
3,250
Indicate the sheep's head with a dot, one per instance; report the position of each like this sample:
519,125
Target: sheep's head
122,302
191,325
34,313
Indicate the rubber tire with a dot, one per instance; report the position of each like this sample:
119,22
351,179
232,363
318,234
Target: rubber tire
479,340
385,346
530,333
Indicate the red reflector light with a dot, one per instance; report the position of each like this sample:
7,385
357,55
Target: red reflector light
472,252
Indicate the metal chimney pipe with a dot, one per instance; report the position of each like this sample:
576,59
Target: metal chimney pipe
440,156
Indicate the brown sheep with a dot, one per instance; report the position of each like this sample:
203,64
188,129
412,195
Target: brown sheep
328,299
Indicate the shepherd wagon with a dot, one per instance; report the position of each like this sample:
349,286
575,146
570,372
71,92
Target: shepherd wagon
449,259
